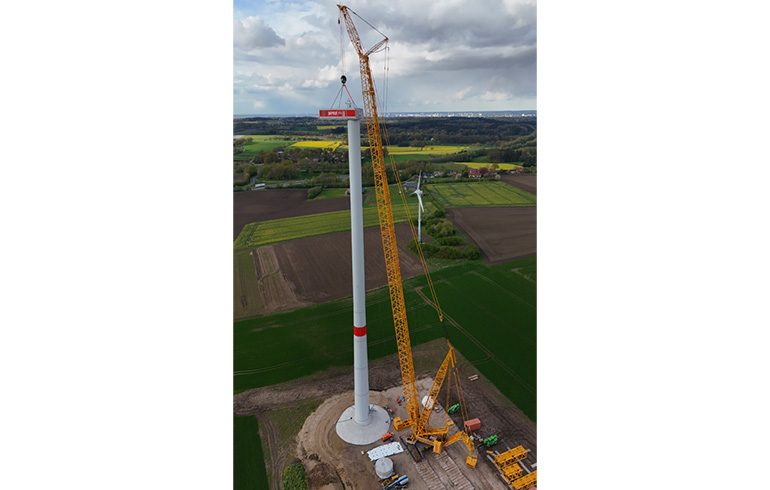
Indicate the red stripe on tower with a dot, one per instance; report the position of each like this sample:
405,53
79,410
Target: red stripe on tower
359,331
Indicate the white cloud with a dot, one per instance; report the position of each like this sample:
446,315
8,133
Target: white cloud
252,32
495,96
453,54
324,77
462,93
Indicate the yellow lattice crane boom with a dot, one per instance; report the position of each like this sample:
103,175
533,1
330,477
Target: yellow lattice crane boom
387,228
415,420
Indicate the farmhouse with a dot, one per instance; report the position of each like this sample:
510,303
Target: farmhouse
475,173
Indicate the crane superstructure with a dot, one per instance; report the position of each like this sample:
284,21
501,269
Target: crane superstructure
416,419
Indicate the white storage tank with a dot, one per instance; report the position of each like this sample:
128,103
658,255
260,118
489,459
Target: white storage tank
384,468
427,402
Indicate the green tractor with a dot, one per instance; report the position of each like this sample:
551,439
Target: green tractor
454,408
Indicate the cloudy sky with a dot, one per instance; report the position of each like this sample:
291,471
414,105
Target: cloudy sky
452,55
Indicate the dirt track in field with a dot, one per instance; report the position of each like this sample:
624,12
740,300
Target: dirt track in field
263,205
331,464
318,269
525,182
502,234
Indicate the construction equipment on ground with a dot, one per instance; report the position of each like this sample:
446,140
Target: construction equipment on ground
391,479
511,456
490,441
387,437
510,470
526,482
398,482
453,408
417,419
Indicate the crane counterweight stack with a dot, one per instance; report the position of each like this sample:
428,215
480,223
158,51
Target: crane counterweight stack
417,420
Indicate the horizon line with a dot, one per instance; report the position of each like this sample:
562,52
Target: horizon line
309,114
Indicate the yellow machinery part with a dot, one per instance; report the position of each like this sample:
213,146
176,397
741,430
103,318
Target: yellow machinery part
511,456
512,472
526,482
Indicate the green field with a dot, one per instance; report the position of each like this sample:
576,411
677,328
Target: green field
330,194
260,144
248,461
479,194
244,280
392,150
494,306
257,234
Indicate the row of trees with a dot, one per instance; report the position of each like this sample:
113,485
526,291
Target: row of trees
404,131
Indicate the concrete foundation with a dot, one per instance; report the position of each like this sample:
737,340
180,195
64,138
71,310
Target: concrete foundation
362,434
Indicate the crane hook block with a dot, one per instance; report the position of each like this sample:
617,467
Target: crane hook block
343,79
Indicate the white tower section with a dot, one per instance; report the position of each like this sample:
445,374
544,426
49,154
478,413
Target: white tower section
360,358
362,423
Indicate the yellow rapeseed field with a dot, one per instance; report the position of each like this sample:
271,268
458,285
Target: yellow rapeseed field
501,166
326,145
393,150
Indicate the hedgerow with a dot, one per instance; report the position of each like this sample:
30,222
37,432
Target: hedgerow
294,477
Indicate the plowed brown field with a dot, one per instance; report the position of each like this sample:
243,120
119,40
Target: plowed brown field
502,234
263,205
525,182
318,269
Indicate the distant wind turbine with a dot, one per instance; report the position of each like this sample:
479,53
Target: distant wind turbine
420,209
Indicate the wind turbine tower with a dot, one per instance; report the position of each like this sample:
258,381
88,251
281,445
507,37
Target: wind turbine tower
420,209
362,423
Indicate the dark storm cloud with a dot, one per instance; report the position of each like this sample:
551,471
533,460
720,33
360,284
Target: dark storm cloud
472,24
469,60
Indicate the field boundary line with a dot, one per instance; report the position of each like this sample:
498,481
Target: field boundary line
518,272
503,289
495,316
481,346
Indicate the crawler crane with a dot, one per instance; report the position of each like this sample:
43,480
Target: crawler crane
416,419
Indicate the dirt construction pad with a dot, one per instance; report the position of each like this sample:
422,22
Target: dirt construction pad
331,464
